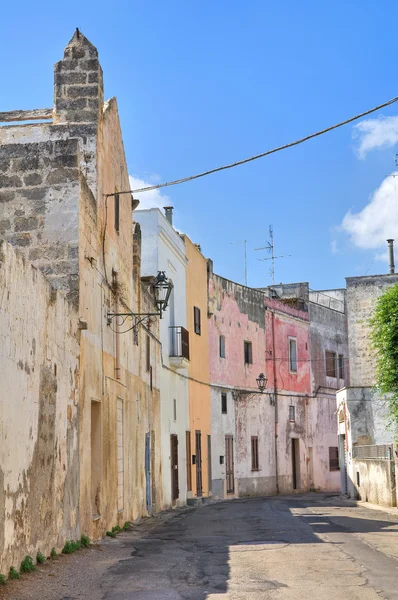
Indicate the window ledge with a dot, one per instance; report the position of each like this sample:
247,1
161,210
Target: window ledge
255,470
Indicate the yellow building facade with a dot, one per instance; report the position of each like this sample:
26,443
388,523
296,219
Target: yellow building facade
199,437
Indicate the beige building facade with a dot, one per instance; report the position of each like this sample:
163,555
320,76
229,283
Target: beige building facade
72,232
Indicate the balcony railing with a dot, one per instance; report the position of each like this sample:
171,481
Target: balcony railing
179,342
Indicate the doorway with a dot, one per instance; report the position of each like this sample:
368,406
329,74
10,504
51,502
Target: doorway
296,463
209,461
311,467
229,464
174,467
198,439
343,464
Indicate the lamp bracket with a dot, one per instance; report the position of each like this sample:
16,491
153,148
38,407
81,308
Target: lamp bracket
120,319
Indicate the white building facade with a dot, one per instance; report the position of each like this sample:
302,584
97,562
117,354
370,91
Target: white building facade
163,249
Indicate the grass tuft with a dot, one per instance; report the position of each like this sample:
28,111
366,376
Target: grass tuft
3,579
53,553
85,541
40,558
111,534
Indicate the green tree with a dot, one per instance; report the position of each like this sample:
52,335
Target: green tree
384,339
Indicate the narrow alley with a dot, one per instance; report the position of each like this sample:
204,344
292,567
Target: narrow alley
311,546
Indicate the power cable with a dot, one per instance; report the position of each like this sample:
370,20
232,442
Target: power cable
257,156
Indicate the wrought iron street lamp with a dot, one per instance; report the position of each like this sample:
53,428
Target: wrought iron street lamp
161,288
261,383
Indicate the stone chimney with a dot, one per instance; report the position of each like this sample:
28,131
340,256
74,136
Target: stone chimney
78,89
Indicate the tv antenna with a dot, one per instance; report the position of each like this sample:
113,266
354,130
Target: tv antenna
271,248
244,242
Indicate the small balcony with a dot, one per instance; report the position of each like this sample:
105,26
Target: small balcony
179,347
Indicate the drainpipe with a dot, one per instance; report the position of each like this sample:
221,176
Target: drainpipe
391,256
275,402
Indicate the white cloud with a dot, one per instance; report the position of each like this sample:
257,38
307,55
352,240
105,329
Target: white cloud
375,133
152,199
378,221
333,246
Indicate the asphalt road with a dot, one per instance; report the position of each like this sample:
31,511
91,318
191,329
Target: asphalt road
281,548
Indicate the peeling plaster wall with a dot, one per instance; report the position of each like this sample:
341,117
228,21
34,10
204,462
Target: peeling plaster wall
39,412
238,313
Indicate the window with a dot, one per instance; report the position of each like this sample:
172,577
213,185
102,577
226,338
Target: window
174,409
188,459
255,463
334,459
117,213
293,355
330,364
341,367
148,353
196,319
224,403
222,346
247,347
292,414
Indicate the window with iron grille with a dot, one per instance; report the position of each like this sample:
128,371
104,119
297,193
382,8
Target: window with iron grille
293,355
222,346
330,364
247,348
196,320
341,367
224,403
188,459
292,414
255,463
334,459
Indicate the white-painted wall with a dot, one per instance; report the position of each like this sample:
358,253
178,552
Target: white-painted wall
164,250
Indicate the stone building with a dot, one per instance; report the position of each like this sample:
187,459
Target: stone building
83,407
366,443
163,249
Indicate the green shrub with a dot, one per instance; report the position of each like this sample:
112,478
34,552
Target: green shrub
13,573
116,529
111,534
384,339
53,553
40,558
3,579
71,547
126,526
85,541
27,565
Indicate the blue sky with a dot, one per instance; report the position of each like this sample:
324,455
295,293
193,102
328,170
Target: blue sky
200,84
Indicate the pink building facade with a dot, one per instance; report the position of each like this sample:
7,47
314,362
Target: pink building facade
266,443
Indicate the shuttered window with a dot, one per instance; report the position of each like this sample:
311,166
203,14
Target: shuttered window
330,358
247,349
224,403
341,367
117,213
222,346
255,464
148,353
293,355
196,319
334,459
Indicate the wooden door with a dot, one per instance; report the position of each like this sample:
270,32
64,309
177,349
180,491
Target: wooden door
174,467
198,439
148,471
229,464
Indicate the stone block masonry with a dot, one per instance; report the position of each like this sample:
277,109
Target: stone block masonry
42,167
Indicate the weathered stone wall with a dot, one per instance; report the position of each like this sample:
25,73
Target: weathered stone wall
39,410
362,293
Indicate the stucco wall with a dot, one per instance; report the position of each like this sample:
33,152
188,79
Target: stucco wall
39,409
376,481
198,370
164,250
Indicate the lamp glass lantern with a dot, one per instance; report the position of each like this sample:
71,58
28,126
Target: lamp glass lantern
162,288
261,382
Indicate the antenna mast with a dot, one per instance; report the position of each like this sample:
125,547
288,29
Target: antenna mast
244,242
271,248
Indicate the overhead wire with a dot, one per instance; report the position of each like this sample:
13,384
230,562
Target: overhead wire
262,155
